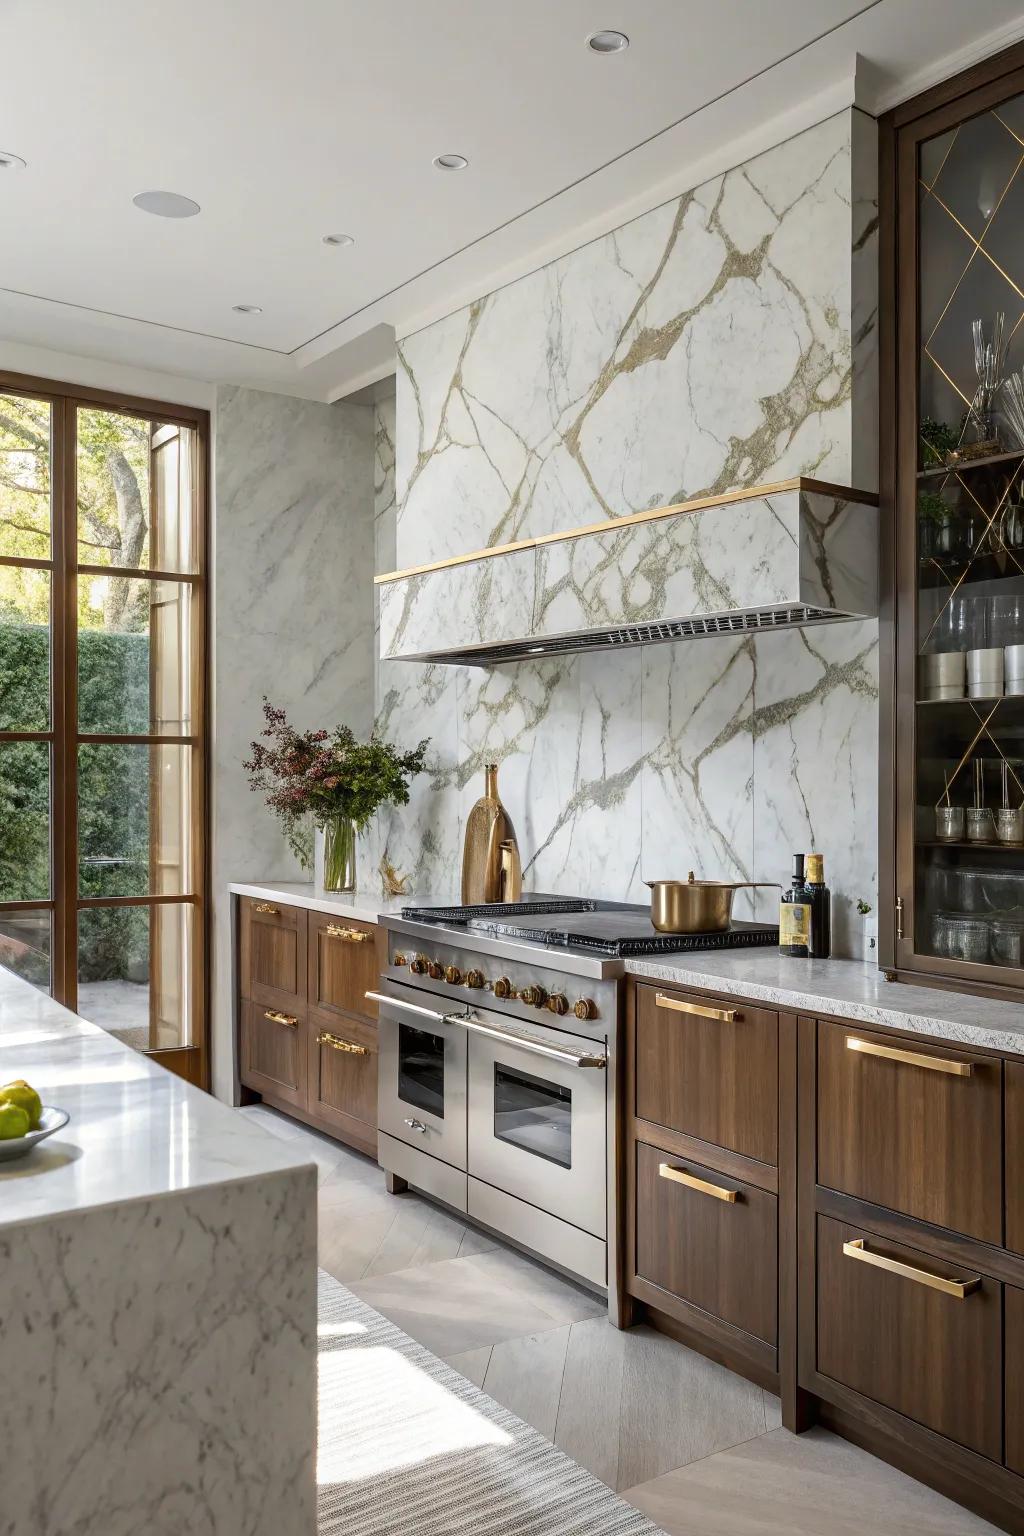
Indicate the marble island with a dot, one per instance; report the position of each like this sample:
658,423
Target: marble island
158,1262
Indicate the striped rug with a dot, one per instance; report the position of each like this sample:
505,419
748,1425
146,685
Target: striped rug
407,1445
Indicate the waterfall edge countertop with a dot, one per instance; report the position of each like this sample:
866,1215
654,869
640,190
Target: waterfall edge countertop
136,1130
845,989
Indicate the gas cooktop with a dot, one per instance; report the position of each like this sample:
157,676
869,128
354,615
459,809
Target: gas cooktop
615,929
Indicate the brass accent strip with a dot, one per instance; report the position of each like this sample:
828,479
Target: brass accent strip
724,1015
951,1067
337,1044
702,1186
287,1019
652,514
267,909
858,1249
351,935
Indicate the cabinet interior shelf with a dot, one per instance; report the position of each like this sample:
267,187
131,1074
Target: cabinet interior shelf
963,466
934,842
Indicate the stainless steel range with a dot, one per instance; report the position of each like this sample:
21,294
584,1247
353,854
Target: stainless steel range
498,1037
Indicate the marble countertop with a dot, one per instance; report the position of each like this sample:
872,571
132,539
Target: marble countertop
358,905
846,988
136,1130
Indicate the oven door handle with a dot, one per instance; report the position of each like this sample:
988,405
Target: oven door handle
475,1026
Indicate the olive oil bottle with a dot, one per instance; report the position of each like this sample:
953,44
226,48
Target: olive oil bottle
795,915
821,908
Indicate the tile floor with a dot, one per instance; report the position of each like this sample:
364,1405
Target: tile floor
697,1448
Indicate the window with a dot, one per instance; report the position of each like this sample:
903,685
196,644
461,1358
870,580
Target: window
102,710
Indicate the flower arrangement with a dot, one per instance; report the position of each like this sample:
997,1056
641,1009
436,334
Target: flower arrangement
330,777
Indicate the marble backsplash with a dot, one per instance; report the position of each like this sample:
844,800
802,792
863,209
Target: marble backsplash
725,339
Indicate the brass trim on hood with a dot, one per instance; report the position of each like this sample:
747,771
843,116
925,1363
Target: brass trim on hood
652,514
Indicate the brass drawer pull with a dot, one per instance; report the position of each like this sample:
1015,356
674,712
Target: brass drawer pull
952,1068
350,935
280,1018
724,1015
267,909
859,1249
666,1171
337,1044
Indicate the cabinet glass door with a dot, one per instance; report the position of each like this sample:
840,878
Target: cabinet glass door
968,821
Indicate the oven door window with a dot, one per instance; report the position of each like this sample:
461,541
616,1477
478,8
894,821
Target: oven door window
533,1114
421,1069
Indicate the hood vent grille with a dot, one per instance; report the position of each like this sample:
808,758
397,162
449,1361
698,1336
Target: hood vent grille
643,634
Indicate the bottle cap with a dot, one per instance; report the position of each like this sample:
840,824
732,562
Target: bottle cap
816,868
798,866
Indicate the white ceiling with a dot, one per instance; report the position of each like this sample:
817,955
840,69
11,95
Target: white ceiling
288,122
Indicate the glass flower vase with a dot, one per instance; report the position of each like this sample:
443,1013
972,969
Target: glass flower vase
340,854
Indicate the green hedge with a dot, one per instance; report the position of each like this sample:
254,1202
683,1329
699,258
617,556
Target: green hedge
113,788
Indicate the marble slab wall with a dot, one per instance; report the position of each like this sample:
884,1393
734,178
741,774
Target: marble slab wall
292,618
726,339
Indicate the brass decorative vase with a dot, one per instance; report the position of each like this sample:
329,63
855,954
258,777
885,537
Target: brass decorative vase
491,870
340,854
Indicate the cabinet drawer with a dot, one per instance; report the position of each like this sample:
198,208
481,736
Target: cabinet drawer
343,966
273,1054
887,1332
1014,1160
719,1253
1014,1378
343,1080
708,1069
913,1127
272,957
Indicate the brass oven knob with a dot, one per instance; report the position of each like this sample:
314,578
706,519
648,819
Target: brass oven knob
399,960
558,1003
452,975
435,970
584,1008
419,965
503,987
534,997
475,978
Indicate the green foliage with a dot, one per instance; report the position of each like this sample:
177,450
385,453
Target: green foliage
937,440
931,506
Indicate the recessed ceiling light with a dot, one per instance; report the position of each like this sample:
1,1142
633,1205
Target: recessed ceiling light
339,240
166,205
607,42
247,309
451,162
9,162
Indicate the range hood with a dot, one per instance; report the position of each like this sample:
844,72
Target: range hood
798,552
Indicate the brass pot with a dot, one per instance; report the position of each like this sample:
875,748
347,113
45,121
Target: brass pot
696,906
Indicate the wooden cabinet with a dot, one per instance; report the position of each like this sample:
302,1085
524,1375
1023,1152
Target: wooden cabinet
914,1127
273,954
1014,1161
1014,1378
708,1240
308,1037
709,1070
920,1335
273,1053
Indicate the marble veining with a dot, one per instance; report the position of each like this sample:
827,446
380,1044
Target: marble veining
726,339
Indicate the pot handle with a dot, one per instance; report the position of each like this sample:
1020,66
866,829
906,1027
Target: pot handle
754,885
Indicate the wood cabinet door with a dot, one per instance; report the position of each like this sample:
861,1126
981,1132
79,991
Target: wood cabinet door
273,1053
1014,1160
272,959
343,967
912,1126
708,1239
885,1331
343,1080
708,1069
1014,1378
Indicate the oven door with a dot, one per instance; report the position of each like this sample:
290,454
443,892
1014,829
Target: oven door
421,1076
537,1119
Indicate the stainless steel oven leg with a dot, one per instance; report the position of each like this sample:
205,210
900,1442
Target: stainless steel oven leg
394,1184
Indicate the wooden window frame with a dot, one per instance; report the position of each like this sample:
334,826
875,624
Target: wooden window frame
64,738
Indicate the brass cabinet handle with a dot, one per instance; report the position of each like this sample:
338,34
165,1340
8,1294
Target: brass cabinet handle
725,1015
267,909
280,1018
337,1044
858,1249
351,935
703,1186
951,1067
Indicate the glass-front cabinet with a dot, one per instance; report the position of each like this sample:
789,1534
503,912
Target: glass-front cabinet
956,390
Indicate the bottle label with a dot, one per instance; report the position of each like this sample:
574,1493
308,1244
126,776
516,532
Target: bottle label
794,924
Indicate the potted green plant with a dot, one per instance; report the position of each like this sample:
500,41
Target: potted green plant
334,779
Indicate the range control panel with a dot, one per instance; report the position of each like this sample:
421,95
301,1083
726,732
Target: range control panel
557,994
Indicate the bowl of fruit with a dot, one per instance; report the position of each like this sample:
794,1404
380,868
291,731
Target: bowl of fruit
25,1120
